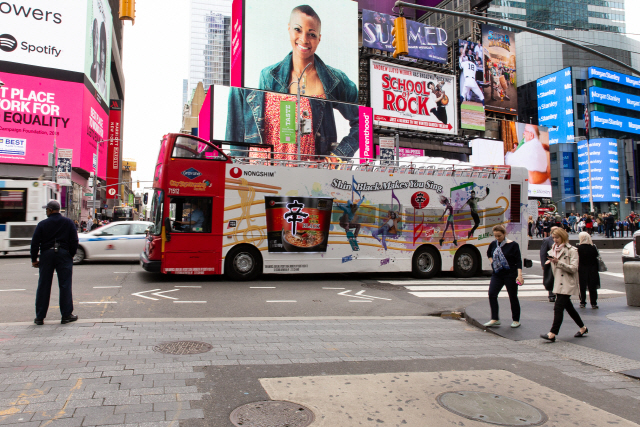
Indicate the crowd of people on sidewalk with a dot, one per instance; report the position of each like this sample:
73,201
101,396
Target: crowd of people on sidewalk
605,224
89,225
567,270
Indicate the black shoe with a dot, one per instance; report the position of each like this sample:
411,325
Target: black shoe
581,334
583,305
546,337
455,242
594,306
552,299
38,321
69,319
441,242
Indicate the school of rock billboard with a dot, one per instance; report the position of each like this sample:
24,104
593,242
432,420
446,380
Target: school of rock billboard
410,98
425,42
269,36
499,48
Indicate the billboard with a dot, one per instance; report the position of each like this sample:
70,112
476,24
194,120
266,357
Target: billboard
614,122
613,77
404,152
278,39
599,95
555,106
523,145
500,70
63,173
425,42
605,176
328,128
97,56
471,63
34,110
409,98
113,147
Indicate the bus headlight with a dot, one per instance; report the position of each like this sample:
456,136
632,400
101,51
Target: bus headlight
625,252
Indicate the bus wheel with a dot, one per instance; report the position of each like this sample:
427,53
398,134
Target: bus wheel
243,263
79,256
426,263
465,262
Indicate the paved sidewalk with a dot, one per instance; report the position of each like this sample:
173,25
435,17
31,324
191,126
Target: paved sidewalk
90,374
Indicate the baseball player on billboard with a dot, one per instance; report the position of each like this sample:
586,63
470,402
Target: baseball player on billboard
469,83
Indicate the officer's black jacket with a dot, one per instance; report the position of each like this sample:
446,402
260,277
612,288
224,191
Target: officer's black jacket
56,228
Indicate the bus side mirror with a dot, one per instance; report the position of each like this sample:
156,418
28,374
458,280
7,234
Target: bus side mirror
167,228
528,263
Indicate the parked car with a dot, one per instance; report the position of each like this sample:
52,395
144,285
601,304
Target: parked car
629,252
121,240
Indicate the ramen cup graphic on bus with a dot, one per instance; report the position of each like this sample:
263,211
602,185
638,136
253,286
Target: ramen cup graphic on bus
298,224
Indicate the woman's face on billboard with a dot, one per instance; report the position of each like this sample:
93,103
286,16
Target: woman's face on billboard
304,33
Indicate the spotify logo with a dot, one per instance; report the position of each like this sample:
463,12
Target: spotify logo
8,43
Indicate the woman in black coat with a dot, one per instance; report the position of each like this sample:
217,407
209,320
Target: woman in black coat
588,271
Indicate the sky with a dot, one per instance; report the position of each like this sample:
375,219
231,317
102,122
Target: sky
156,60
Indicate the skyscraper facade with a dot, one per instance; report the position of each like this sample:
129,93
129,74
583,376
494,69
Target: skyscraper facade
210,43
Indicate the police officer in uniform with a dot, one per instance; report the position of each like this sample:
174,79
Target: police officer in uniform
56,238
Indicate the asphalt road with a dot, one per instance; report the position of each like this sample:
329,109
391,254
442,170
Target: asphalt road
123,290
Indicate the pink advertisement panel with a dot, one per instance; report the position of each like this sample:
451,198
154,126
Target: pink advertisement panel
33,110
236,43
366,134
204,118
404,152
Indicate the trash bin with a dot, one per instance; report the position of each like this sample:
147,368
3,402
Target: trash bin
632,282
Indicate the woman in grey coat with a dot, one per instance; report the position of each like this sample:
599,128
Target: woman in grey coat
564,265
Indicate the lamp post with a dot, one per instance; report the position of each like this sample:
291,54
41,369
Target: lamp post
298,127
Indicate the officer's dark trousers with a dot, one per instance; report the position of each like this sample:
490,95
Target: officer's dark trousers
62,263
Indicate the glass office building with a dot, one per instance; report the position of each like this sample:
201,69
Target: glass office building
210,43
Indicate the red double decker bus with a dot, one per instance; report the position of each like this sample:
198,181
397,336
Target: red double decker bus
249,214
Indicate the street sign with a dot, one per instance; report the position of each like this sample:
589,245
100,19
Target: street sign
88,194
111,191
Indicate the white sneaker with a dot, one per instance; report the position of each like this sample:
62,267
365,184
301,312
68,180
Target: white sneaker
492,323
515,324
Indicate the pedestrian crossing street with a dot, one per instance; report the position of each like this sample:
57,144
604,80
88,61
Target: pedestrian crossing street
475,288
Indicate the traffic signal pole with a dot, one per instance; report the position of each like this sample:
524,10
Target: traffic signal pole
401,4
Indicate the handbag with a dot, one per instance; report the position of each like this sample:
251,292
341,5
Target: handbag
601,265
547,275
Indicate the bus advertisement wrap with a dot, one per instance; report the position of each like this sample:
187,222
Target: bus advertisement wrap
605,176
425,42
499,47
254,116
276,36
471,63
555,106
35,110
409,98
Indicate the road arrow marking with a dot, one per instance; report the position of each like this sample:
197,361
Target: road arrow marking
164,296
369,296
359,295
144,292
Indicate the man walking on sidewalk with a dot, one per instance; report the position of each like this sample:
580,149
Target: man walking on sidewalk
56,239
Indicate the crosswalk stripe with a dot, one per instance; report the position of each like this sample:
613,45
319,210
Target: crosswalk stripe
502,294
467,288
448,282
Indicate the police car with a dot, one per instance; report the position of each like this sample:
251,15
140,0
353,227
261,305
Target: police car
121,240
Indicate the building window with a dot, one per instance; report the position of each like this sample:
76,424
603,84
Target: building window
554,158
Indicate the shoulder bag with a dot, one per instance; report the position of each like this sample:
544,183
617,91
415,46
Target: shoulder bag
601,265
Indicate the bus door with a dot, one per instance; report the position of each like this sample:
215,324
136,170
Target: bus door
194,203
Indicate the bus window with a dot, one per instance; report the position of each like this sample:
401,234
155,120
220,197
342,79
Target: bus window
192,214
13,206
187,148
156,212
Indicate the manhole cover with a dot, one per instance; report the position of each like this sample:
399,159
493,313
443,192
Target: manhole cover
272,413
491,408
383,287
183,347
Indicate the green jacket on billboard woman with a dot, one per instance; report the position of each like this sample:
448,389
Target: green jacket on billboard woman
245,120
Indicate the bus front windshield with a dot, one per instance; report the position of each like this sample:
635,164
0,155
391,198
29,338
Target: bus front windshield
156,212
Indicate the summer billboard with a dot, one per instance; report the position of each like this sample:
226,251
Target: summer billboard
410,98
275,41
425,42
500,70
35,110
329,129
471,63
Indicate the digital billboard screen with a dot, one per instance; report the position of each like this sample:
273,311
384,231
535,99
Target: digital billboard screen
605,176
600,95
410,98
329,129
500,70
97,56
279,39
471,63
555,106
35,110
614,122
425,42
613,77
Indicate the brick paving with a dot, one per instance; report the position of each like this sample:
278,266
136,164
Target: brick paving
89,374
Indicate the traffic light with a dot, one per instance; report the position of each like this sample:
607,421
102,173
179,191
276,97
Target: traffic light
626,201
138,182
128,10
145,198
399,34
